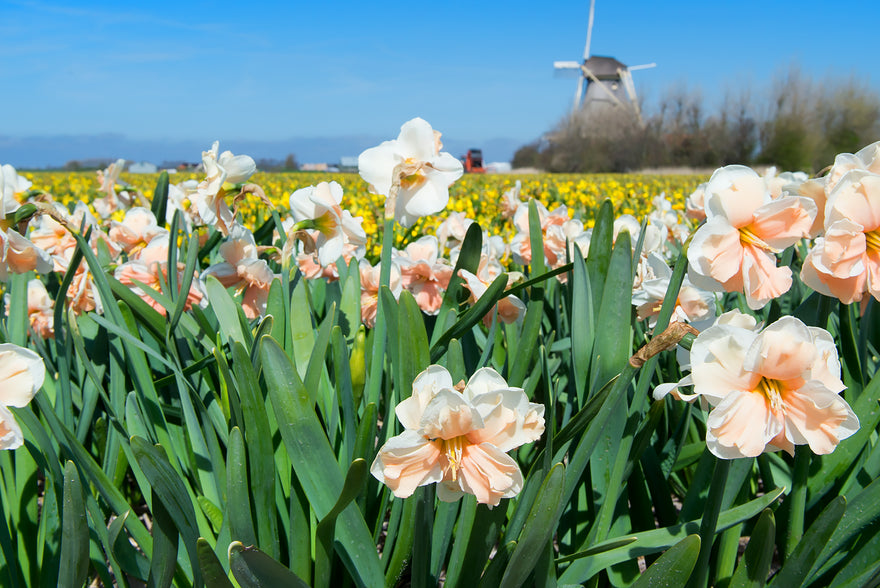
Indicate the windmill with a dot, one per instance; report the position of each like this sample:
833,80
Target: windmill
602,81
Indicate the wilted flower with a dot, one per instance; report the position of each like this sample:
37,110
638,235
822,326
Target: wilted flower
459,436
413,162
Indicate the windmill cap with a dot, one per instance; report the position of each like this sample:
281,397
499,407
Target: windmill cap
604,68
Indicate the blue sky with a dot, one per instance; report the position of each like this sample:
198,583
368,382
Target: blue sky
267,71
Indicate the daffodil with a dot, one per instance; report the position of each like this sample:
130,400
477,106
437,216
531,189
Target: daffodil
769,389
22,373
458,436
736,249
414,165
332,227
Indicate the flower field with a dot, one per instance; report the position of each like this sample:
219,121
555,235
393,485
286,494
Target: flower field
476,195
414,377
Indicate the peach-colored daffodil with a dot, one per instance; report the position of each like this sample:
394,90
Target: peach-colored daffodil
845,261
735,250
769,389
458,436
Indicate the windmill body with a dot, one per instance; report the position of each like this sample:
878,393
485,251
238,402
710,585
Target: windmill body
603,82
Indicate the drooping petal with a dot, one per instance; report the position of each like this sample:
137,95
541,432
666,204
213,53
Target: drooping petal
763,280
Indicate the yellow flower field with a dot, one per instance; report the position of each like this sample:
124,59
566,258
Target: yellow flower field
477,195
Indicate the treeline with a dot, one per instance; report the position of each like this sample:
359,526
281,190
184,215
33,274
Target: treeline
796,124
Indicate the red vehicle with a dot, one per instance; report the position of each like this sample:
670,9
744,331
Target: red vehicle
473,162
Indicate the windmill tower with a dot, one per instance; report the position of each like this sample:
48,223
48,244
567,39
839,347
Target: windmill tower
603,82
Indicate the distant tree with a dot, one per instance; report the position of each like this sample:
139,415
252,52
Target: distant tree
290,163
797,124
73,165
528,156
849,118
790,133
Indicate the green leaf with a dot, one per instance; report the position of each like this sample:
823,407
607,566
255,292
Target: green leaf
302,331
468,259
656,540
600,251
160,198
536,241
610,353
539,528
354,484
254,569
797,567
227,311
413,341
674,567
212,570
260,453
754,567
74,566
861,511
170,489
165,539
314,462
582,321
238,491
526,351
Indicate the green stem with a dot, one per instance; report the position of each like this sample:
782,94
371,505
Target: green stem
377,358
709,522
797,499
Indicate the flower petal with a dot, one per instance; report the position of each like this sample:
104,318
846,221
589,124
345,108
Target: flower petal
406,462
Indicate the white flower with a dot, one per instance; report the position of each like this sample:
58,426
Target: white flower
424,173
21,374
334,227
11,184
